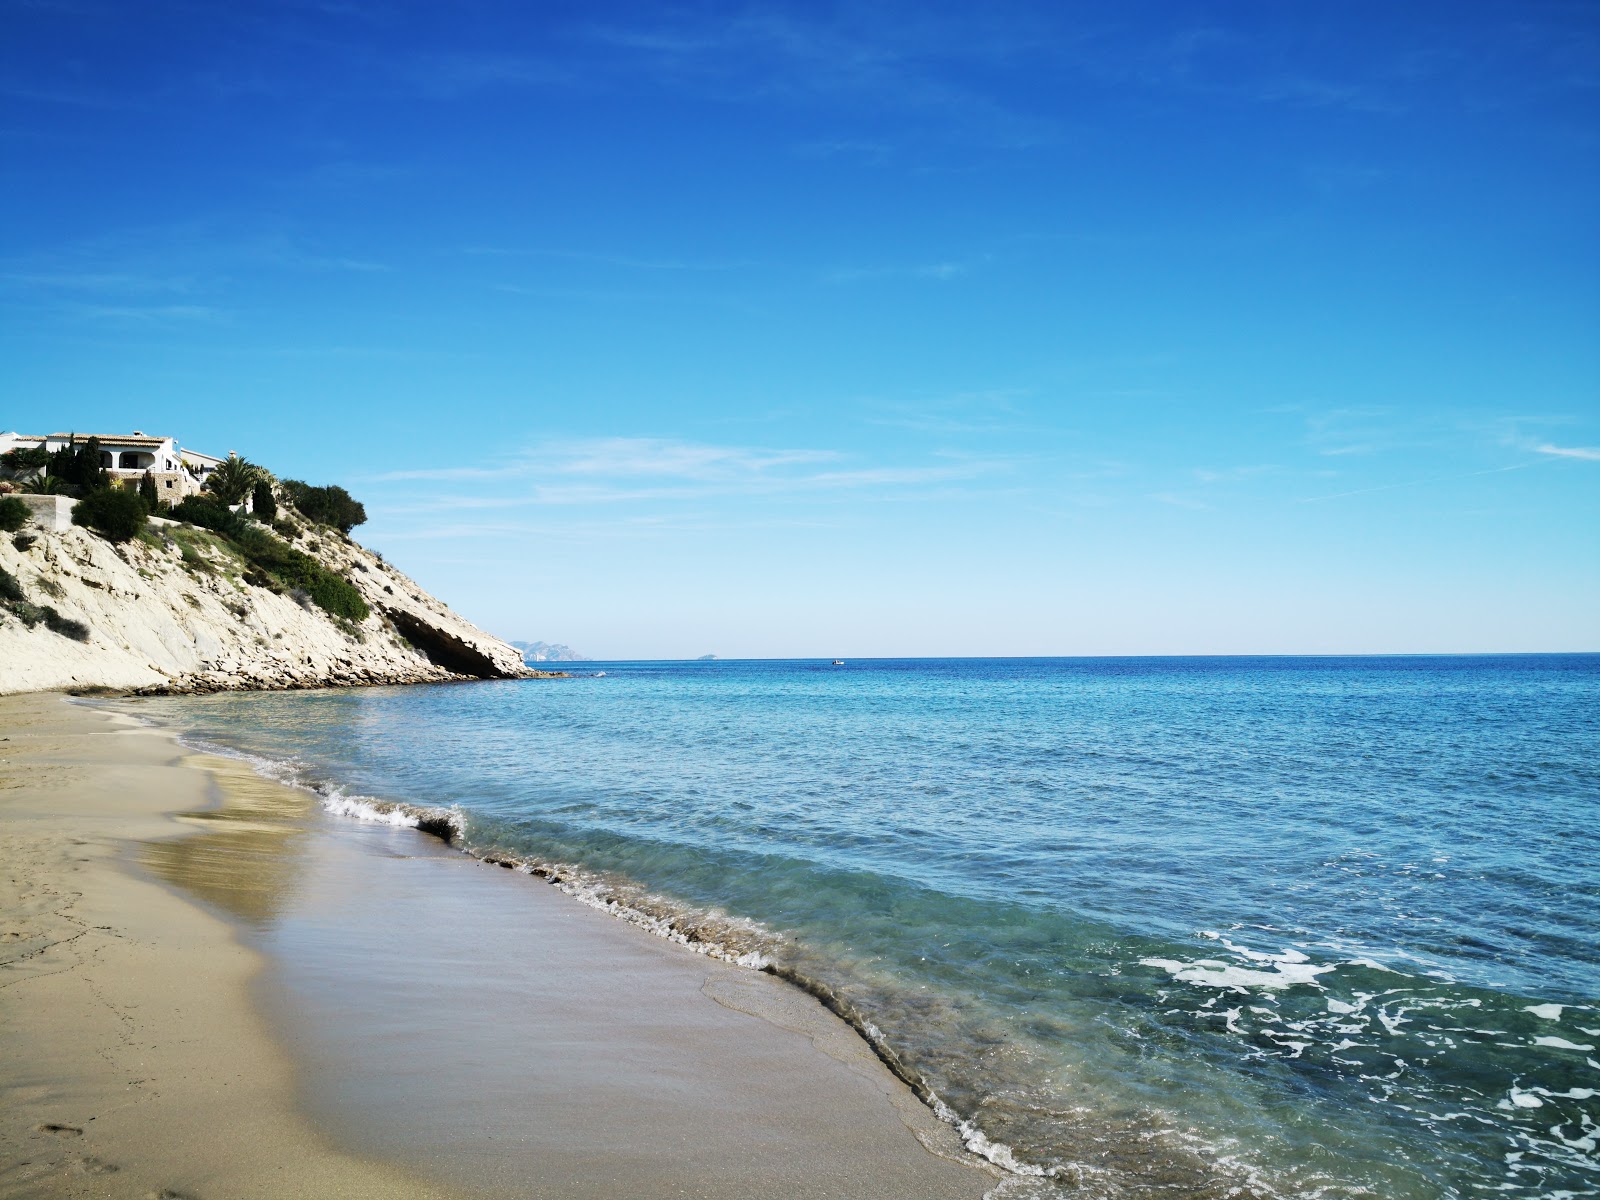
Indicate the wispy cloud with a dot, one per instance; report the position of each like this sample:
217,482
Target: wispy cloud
1209,476
799,55
1588,453
630,262
937,271
621,471
98,281
194,267
149,314
1411,483
459,72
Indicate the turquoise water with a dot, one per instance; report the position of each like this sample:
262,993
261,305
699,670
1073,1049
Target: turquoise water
1144,927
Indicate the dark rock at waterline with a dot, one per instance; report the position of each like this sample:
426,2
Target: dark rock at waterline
440,825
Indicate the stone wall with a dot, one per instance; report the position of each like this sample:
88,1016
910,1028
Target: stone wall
50,512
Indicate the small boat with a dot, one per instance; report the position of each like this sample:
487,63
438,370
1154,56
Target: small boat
598,675
838,662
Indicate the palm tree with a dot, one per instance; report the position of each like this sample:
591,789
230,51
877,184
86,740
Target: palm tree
234,479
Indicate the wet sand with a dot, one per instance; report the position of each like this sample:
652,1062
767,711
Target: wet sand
210,988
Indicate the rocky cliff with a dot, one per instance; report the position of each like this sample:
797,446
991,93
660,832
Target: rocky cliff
181,609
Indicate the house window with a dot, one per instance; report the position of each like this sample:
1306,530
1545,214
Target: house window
169,483
105,459
130,460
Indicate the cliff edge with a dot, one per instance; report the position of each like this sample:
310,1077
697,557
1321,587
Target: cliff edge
180,608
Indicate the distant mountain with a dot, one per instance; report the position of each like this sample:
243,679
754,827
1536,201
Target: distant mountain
702,658
538,652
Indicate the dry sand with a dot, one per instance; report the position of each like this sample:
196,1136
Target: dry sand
457,1029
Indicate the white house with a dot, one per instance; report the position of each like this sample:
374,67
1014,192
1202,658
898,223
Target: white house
127,456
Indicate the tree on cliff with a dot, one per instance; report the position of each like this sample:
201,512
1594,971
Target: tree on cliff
234,479
262,504
330,505
148,493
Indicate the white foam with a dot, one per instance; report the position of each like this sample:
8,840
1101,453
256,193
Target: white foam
1521,1099
1560,1043
983,1146
1550,1012
364,808
1209,972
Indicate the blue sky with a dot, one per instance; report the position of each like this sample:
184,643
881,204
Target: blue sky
866,329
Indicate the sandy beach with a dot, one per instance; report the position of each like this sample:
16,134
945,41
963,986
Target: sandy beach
210,990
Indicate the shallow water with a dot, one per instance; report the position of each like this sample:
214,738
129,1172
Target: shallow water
1193,927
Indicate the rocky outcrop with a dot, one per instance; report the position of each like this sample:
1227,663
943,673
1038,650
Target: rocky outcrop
181,610
540,652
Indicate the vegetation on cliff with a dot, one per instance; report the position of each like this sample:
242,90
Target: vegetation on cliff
14,600
120,515
14,514
330,505
277,565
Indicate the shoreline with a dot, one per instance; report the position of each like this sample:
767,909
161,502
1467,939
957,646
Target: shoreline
158,1000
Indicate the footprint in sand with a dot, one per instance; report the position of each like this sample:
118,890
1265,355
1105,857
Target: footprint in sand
59,1130
93,1166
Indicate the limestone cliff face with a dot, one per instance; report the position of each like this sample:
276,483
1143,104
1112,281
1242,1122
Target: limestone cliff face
179,610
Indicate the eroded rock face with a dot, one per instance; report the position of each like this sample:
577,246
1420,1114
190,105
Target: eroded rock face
187,615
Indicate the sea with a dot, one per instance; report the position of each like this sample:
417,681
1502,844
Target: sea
1137,927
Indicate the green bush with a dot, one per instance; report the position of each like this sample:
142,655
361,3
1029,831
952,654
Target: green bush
10,589
25,458
330,505
297,570
65,626
33,614
14,514
117,514
208,514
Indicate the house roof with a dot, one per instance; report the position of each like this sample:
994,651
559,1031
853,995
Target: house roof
121,439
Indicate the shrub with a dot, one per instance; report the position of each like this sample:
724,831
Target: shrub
330,505
339,597
29,614
65,626
10,589
298,571
208,514
117,514
14,514
147,492
25,458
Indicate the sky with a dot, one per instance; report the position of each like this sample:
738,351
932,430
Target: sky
872,329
